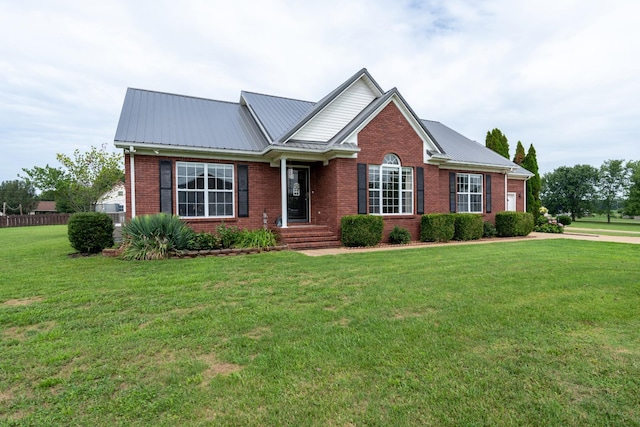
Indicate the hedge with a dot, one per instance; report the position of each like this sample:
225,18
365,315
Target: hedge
361,230
511,224
437,227
468,226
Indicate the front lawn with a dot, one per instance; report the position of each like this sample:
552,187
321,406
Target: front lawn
541,332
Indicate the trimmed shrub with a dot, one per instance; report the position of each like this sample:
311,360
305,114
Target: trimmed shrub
361,230
437,227
399,236
549,228
260,239
203,241
489,230
467,226
511,224
228,235
154,236
564,219
90,232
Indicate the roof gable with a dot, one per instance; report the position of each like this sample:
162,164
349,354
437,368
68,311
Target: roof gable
336,110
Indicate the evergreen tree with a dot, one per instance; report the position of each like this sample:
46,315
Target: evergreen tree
497,142
530,163
520,154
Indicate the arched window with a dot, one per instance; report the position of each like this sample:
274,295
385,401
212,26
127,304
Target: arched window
390,187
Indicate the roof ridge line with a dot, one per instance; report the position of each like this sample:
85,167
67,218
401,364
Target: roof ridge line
276,96
183,96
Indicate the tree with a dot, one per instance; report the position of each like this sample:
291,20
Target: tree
17,196
530,163
612,183
570,189
520,155
497,142
632,203
81,181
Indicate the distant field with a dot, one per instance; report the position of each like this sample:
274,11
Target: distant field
513,333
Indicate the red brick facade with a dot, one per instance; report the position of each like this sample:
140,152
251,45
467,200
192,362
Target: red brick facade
333,188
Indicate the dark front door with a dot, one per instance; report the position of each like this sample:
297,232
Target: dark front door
298,194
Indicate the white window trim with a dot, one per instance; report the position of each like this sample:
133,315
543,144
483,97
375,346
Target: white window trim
392,162
207,191
469,193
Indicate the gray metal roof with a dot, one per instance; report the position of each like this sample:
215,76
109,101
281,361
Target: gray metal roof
276,114
158,118
463,150
166,119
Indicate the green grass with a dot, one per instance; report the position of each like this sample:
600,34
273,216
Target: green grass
617,227
541,332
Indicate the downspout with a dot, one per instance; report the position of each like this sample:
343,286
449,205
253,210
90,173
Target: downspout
506,194
132,173
283,190
525,195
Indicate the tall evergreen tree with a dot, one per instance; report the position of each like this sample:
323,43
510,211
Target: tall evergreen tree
530,163
497,142
520,154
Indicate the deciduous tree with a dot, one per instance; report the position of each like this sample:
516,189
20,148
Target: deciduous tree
570,189
613,181
81,180
632,203
17,196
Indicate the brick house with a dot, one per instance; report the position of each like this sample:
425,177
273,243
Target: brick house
304,165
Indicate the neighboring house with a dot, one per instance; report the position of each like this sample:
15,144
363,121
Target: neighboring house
44,207
113,200
359,150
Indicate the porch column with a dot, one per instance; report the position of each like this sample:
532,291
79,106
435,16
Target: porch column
132,173
283,190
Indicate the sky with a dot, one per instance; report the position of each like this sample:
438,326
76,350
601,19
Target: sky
562,75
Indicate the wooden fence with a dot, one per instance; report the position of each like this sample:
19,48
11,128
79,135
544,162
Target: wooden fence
46,219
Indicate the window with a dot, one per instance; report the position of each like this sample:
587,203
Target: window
390,187
205,189
469,192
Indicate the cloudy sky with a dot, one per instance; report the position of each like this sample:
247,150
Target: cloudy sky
561,75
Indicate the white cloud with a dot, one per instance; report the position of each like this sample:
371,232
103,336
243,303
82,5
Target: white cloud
561,75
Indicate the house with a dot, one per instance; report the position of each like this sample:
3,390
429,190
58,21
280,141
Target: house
113,200
304,165
44,207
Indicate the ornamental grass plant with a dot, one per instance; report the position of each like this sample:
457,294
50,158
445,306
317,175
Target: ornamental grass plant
149,237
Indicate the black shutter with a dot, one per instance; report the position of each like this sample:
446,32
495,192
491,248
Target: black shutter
487,184
362,188
166,192
420,191
452,191
243,190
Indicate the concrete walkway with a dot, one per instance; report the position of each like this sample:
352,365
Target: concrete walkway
575,235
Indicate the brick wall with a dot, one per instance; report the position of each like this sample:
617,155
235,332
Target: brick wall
264,192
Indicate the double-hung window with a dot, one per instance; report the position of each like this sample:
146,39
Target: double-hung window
469,192
390,187
205,189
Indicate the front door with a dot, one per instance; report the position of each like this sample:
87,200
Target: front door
298,194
